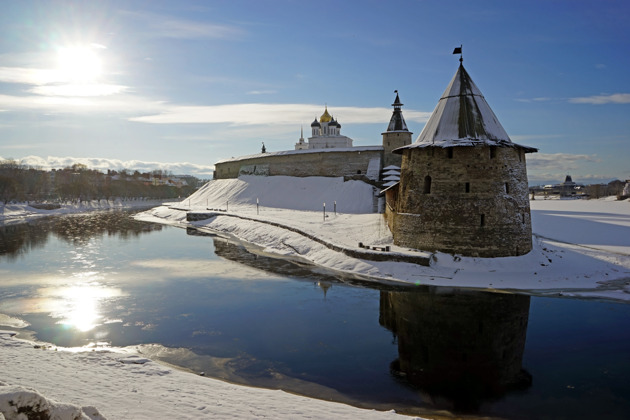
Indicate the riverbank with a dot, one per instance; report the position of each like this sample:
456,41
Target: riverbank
581,247
100,384
15,213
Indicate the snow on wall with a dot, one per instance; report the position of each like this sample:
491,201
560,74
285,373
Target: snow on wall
293,193
374,169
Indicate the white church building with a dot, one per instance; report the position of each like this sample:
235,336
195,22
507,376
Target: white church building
325,135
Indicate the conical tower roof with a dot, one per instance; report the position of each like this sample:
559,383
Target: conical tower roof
462,117
397,122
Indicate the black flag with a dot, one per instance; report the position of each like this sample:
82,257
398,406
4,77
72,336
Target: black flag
457,50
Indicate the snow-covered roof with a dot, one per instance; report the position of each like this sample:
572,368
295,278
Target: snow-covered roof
387,168
389,186
462,117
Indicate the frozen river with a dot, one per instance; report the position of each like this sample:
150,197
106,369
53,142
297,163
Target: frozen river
210,306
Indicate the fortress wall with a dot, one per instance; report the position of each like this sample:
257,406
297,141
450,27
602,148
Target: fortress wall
341,163
476,203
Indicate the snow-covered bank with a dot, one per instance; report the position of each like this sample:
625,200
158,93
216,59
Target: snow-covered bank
581,247
23,212
105,384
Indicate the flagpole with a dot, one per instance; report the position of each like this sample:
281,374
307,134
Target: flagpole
458,50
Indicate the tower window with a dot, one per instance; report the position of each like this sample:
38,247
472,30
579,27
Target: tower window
449,153
507,188
493,152
427,185
523,218
359,172
483,220
468,187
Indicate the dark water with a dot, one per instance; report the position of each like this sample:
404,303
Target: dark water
210,305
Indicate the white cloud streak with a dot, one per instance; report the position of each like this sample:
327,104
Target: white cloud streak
615,98
269,114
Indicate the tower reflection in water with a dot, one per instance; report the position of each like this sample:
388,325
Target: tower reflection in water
458,348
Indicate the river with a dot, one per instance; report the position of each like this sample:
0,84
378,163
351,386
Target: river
209,305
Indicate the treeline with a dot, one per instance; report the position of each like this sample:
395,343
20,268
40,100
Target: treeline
24,183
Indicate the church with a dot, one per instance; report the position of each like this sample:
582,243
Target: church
325,135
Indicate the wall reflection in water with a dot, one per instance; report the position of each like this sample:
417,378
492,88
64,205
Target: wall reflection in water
459,348
19,239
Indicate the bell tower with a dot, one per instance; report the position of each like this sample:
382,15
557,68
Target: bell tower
397,135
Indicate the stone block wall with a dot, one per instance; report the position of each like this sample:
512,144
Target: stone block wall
470,200
393,140
302,163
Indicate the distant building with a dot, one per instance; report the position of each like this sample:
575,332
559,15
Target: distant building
568,188
326,134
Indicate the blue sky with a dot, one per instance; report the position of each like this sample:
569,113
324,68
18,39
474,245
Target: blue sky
180,85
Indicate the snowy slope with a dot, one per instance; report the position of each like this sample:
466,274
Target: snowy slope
285,192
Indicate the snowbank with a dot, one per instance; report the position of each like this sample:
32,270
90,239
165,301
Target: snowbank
124,386
581,247
284,192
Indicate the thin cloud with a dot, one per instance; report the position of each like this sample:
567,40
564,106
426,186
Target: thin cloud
103,164
539,99
270,114
539,160
546,166
168,27
534,137
615,98
82,90
120,103
28,76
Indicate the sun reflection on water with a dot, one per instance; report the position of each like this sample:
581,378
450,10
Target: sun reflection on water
78,306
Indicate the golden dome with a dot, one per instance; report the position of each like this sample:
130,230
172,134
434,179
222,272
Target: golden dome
325,116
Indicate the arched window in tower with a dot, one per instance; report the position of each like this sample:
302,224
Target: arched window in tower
493,152
427,185
449,152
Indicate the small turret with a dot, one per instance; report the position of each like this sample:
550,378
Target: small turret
397,135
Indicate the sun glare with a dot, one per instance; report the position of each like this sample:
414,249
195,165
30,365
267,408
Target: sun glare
78,64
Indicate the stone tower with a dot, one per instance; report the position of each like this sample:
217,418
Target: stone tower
463,183
397,135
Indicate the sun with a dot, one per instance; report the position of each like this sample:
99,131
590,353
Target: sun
78,64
